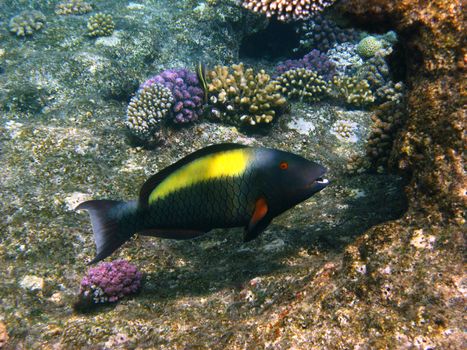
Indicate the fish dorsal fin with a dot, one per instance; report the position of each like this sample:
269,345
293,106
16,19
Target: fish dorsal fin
158,178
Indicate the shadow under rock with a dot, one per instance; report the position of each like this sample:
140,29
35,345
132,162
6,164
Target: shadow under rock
327,223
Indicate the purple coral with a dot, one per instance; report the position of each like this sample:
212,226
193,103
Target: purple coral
315,60
108,282
186,90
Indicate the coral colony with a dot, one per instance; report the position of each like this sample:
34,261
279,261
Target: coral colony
108,282
186,91
286,10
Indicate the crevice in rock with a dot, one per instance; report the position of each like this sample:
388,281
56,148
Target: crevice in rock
276,41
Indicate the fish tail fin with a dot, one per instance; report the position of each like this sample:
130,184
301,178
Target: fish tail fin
105,219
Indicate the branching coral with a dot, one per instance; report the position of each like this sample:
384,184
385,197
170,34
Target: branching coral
286,10
388,119
107,283
241,97
353,91
101,24
147,109
322,33
303,84
376,71
26,23
73,7
315,60
187,93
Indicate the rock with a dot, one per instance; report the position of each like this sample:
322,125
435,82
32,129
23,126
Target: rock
274,246
3,335
32,283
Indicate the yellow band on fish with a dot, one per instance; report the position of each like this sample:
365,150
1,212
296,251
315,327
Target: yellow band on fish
228,163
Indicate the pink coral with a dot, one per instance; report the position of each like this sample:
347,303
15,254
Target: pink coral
286,10
109,282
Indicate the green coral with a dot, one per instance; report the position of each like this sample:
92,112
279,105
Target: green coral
73,7
243,98
146,110
303,84
27,22
101,24
353,91
368,46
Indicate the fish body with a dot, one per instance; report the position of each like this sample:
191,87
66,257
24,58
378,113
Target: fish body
220,186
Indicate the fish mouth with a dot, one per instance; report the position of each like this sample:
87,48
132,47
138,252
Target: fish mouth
318,184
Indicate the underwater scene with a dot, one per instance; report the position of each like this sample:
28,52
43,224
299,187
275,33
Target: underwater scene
232,174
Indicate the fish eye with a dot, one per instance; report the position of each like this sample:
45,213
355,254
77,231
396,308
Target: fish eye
284,165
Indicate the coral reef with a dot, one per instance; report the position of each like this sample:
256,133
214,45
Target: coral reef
314,60
147,109
356,267
345,58
388,119
108,282
100,24
322,33
353,91
375,71
186,91
27,22
286,10
368,46
73,7
303,84
241,97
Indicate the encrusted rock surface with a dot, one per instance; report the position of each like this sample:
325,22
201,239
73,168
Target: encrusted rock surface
333,273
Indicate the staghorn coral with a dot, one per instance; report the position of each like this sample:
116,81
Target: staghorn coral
108,282
304,84
368,46
314,60
147,109
286,10
323,33
100,24
73,7
353,91
27,22
186,91
243,98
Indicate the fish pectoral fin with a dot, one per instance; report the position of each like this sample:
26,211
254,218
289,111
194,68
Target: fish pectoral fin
173,233
259,220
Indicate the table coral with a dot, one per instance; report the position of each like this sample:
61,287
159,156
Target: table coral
286,10
243,98
100,24
146,111
27,22
304,84
73,7
186,91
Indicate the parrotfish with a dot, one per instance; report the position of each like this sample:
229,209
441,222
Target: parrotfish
220,186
